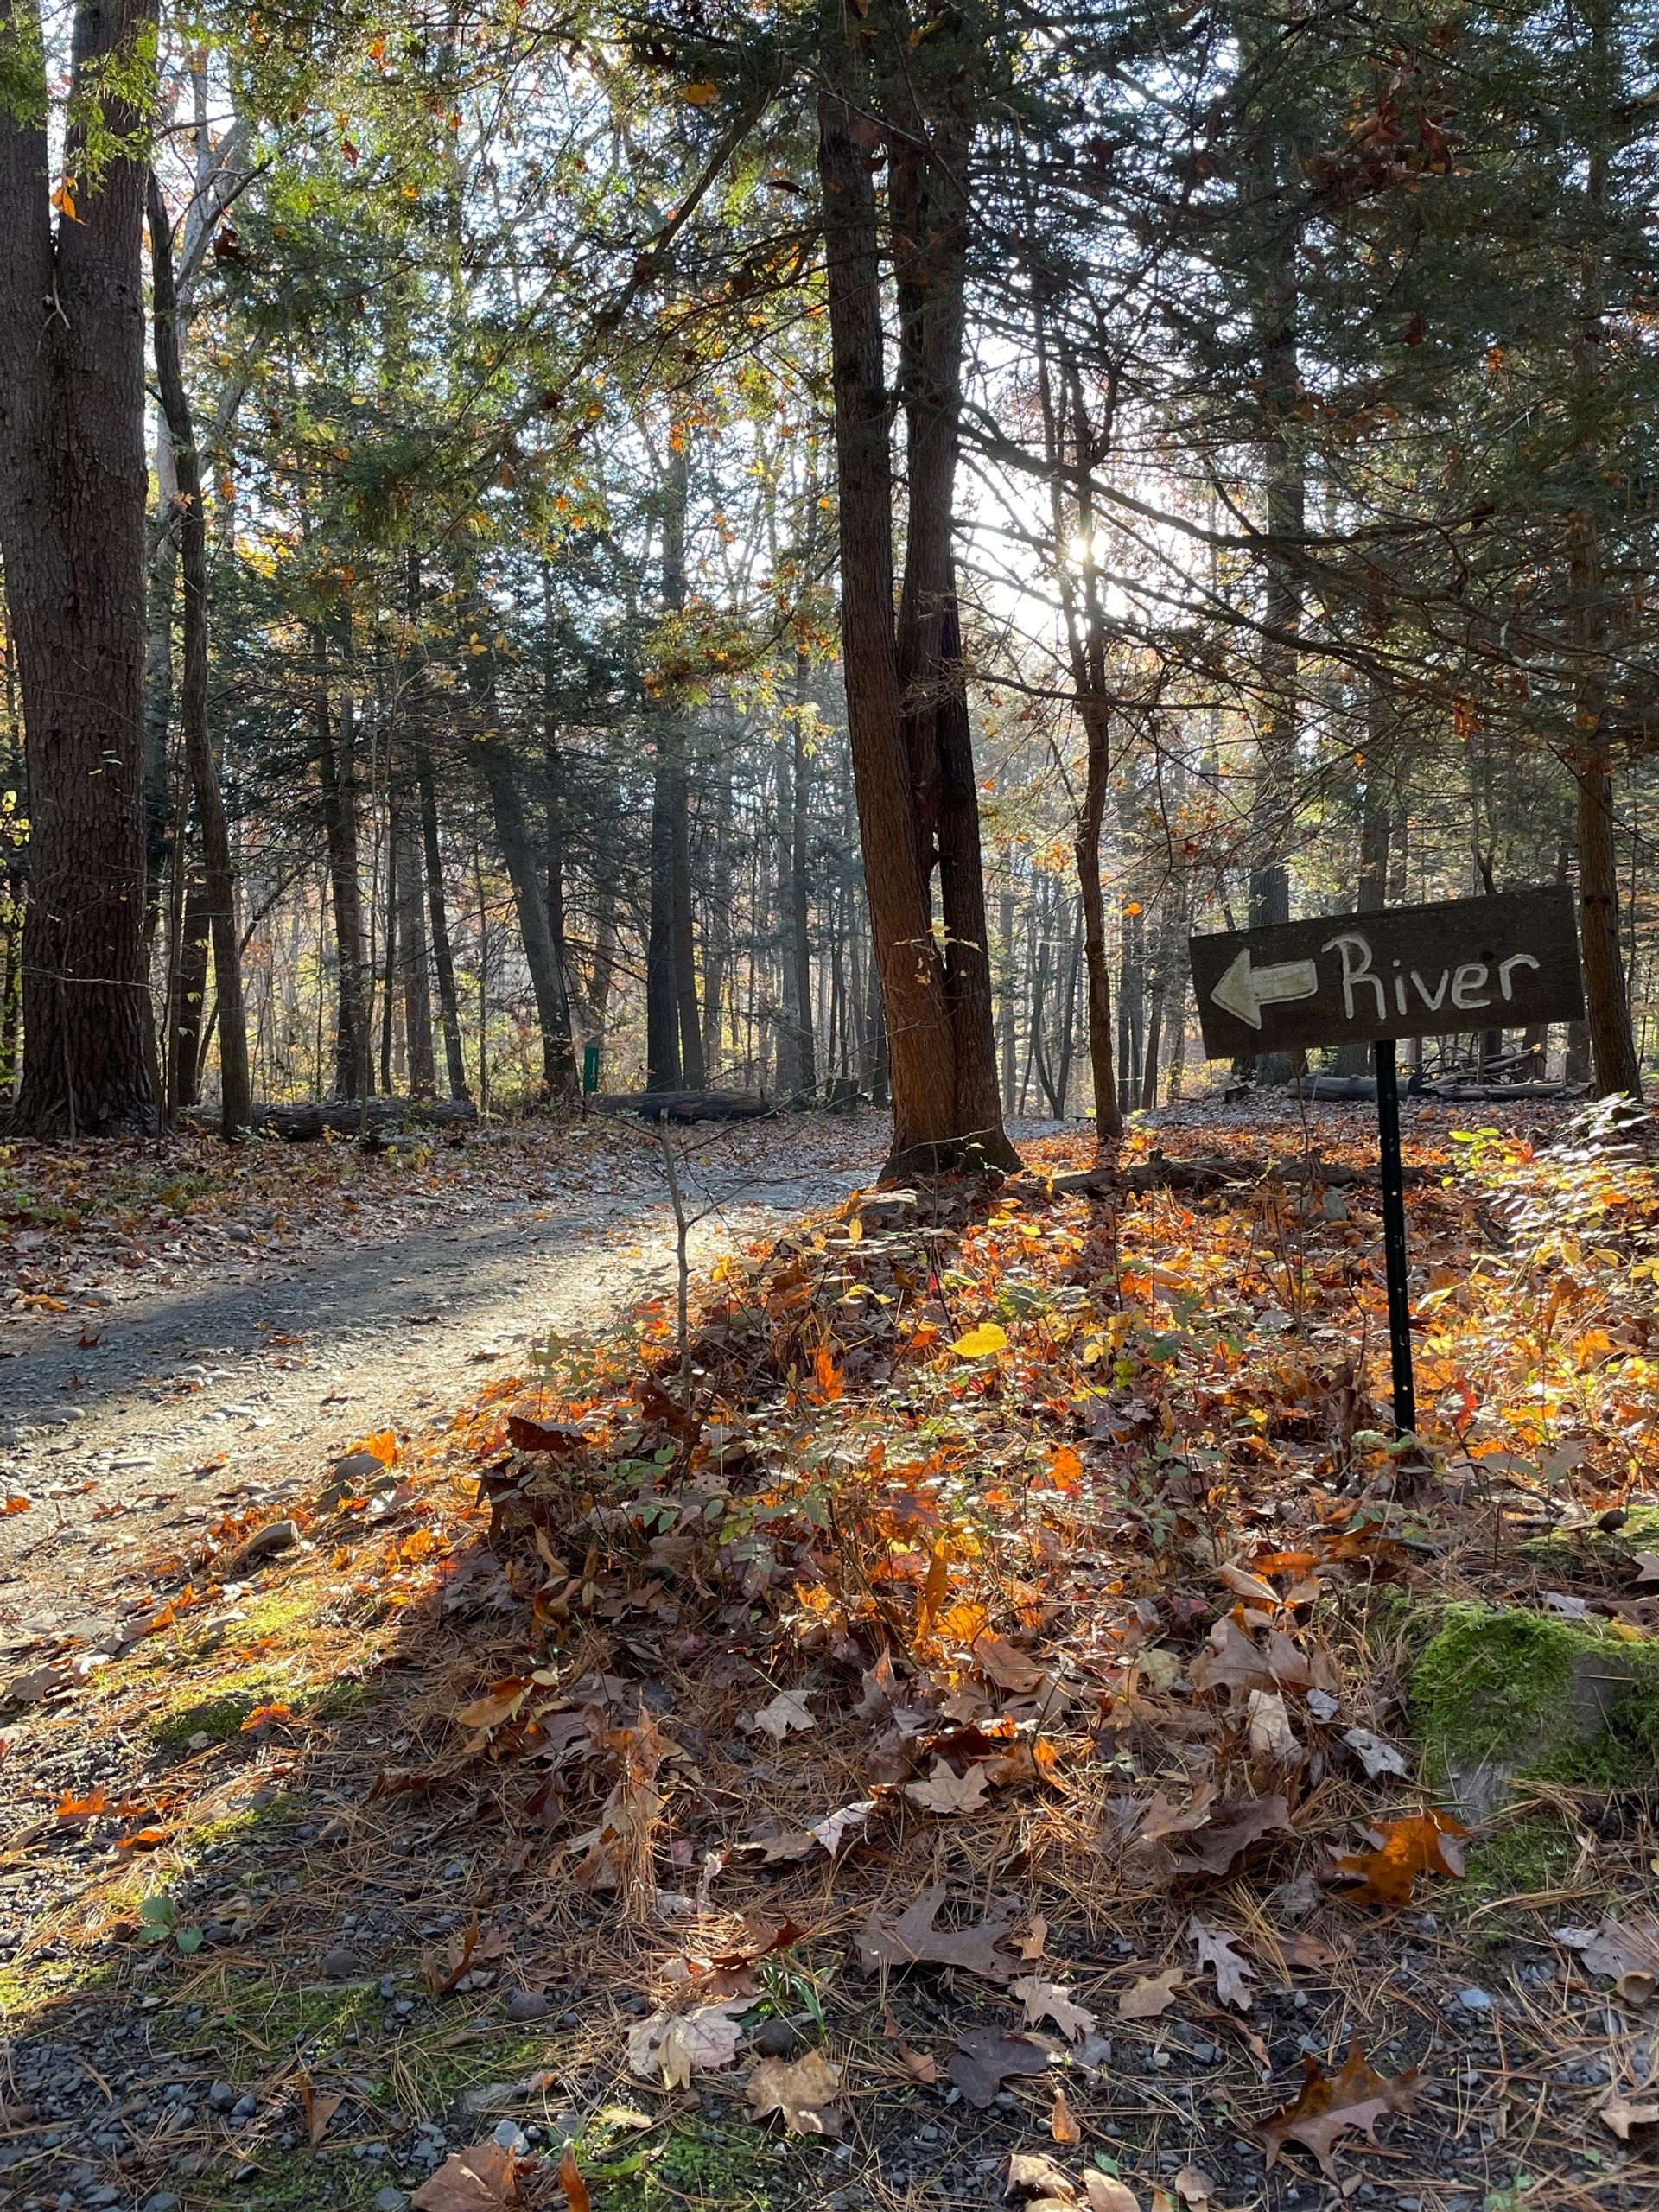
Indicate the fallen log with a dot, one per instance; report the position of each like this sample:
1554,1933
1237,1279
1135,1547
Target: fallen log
684,1105
1493,1093
307,1119
1333,1087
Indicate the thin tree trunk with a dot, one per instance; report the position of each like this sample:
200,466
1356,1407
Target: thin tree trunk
685,951
219,874
662,994
444,958
552,1010
190,995
413,966
799,954
389,954
337,770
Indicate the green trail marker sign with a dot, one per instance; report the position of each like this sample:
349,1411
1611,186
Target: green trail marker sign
1467,964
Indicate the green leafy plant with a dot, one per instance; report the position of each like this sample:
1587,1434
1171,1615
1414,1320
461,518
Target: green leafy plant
159,1923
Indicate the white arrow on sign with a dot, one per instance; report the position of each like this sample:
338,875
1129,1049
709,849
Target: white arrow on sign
1244,990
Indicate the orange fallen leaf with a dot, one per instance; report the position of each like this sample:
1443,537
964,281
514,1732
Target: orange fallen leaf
71,1808
15,1504
1421,1843
570,2180
1063,2121
266,1716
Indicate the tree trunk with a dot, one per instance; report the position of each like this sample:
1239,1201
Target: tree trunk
798,952
337,772
218,870
685,951
929,1130
444,958
413,967
662,994
552,1010
72,491
1607,1015
190,992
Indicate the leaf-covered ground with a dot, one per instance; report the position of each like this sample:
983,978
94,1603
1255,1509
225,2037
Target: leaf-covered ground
998,1722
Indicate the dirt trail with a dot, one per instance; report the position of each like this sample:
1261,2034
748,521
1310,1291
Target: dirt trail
241,1383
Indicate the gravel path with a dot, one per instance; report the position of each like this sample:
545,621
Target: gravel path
241,1381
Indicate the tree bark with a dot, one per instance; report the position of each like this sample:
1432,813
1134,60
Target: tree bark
73,492
552,1010
414,969
337,772
930,1131
444,958
662,994
218,868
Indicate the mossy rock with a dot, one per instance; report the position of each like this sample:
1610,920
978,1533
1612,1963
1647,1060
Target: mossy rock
1498,1694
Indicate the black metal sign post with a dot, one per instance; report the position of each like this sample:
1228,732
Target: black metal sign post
1393,1238
1410,971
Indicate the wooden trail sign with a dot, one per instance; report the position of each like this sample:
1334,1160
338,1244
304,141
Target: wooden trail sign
1410,971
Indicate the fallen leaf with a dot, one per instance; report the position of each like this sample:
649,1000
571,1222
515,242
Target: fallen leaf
1193,2185
1243,1584
945,1792
1106,2194
319,2108
1035,1938
1647,1566
1304,1952
803,2091
1063,2121
1009,1668
978,1343
1215,1834
482,2179
570,2180
674,2044
1031,2173
503,1699
921,2065
1626,1952
1153,1995
1230,1660
913,1940
1271,1735
983,2059
1618,2113
15,1504
834,1828
1421,1843
543,1436
71,1808
1233,1972
787,1711
1047,2001
1329,2104
1376,1757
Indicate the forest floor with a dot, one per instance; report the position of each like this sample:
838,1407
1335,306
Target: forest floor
1005,1726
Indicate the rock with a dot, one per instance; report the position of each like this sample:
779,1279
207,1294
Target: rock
528,2005
264,1543
777,2039
389,2199
163,2201
245,2106
221,2096
340,1963
1501,1693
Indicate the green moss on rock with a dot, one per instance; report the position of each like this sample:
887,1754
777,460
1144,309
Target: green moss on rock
1497,1693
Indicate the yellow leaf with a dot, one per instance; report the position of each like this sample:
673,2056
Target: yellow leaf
63,199
703,95
986,1338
